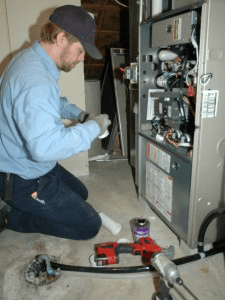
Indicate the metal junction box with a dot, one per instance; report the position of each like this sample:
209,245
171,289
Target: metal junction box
181,129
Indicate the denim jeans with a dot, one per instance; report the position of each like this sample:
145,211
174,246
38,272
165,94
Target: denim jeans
54,204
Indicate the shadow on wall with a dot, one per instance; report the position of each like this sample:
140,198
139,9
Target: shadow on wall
34,34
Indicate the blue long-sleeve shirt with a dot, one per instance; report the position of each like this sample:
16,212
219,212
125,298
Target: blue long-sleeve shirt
32,135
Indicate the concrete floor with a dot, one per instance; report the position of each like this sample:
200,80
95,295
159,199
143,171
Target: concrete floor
111,191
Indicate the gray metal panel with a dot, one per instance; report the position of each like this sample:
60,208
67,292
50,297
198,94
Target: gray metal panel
132,124
180,173
208,177
119,57
173,31
134,28
134,89
147,59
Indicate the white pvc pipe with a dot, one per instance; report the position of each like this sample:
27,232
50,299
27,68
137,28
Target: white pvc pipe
140,11
110,224
157,7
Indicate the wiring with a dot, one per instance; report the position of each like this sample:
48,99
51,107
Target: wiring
168,138
120,3
194,43
185,98
176,144
205,78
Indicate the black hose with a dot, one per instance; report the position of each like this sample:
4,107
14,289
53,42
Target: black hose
207,220
135,269
148,268
194,257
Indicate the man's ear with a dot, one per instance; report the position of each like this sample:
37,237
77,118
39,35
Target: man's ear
61,39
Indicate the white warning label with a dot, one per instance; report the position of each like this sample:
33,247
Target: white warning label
209,103
177,28
159,157
159,188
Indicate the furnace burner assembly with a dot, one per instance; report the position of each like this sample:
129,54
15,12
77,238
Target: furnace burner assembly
172,81
173,109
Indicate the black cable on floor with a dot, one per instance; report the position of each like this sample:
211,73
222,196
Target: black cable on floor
179,261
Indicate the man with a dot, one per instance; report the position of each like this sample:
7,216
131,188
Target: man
41,196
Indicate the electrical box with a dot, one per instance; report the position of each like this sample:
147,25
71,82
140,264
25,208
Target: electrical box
181,131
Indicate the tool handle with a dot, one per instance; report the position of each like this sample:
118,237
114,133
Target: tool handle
124,248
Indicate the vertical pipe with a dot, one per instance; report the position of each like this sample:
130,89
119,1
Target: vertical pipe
157,7
141,11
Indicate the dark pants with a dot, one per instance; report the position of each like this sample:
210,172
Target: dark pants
53,204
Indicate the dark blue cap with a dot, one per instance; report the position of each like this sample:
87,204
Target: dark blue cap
76,21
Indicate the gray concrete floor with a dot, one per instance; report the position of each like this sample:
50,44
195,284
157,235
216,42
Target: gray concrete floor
112,191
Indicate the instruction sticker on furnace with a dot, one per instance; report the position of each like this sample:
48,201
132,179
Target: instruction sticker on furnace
159,157
209,103
159,188
177,29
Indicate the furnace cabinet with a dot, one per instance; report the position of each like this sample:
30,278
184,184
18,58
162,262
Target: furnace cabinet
180,140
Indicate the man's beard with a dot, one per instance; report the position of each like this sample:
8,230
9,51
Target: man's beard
64,66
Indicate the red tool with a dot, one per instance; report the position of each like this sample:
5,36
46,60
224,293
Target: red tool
108,253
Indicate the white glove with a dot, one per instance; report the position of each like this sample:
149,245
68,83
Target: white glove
102,121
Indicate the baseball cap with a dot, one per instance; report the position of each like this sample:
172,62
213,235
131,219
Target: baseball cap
76,21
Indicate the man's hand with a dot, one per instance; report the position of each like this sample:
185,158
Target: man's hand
103,122
83,116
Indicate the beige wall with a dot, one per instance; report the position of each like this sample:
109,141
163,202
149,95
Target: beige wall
4,34
20,23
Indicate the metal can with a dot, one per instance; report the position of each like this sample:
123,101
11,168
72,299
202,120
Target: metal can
140,228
